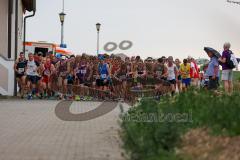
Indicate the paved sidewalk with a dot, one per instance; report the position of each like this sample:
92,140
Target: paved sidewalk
30,130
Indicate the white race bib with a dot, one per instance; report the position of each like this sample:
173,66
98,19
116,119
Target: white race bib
47,72
20,70
83,71
159,73
103,76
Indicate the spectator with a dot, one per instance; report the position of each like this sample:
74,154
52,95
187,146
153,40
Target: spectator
213,72
227,73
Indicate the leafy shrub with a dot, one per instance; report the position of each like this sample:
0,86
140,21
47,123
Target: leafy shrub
151,138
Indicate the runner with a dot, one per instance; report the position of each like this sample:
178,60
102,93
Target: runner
121,76
160,74
48,69
129,77
19,67
179,78
32,76
62,71
172,74
81,77
149,71
141,73
194,71
104,72
185,74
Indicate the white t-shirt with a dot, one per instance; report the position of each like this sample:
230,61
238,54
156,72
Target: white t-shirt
171,72
32,68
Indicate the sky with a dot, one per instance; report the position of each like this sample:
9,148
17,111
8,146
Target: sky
156,27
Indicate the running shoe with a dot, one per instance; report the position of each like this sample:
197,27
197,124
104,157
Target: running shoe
29,97
90,98
77,98
82,98
45,96
34,96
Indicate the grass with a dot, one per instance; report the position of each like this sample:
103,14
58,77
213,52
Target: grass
146,137
236,75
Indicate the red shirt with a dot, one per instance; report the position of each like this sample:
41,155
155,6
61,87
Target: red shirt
196,73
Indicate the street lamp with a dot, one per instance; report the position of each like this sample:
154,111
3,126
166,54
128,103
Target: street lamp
62,18
98,25
233,2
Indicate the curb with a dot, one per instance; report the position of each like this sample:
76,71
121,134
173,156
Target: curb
8,97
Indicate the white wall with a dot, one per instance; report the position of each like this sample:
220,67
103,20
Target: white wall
4,27
7,65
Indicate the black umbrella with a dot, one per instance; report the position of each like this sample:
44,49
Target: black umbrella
213,51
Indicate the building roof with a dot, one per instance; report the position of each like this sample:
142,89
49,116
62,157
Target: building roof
29,5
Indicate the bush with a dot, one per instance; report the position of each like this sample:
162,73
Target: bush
149,136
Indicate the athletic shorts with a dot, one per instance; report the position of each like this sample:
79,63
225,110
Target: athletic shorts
33,79
141,80
70,81
160,80
150,80
81,80
19,75
186,81
102,83
227,75
173,81
179,77
98,82
45,79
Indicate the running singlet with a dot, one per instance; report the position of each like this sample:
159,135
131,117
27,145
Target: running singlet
149,68
47,70
123,71
32,68
192,73
171,72
82,70
103,71
21,66
185,71
140,69
128,69
63,69
159,71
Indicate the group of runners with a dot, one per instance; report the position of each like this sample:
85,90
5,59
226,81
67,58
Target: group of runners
86,77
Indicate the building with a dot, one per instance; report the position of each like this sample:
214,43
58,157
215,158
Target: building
11,39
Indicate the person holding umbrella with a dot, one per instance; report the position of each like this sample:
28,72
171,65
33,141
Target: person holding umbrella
213,68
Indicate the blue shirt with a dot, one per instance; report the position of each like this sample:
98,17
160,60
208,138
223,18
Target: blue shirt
103,71
212,64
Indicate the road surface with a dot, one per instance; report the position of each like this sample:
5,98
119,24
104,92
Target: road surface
30,130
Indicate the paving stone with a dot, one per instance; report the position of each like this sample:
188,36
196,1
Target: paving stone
30,130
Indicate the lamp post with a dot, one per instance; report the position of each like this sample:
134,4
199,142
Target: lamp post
98,25
235,2
62,18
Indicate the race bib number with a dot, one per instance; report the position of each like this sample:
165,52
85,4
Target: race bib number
122,77
47,72
103,76
20,70
83,71
62,74
78,71
159,73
